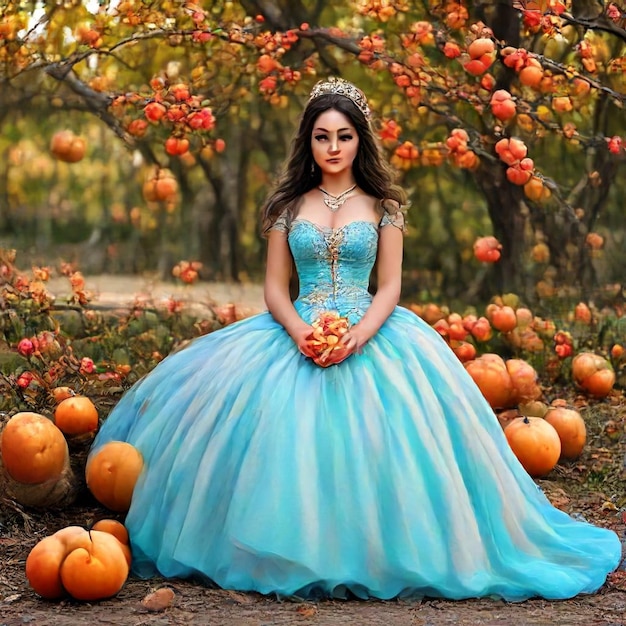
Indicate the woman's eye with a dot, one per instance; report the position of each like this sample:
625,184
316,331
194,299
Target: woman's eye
320,137
345,137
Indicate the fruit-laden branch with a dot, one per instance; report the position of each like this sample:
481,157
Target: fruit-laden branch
96,102
559,68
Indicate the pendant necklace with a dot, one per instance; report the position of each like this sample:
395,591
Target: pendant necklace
334,203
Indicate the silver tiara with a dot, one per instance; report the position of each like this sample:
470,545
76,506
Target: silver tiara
341,87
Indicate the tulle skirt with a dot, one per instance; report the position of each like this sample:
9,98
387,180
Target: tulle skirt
385,476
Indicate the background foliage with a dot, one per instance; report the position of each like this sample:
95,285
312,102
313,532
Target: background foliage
93,67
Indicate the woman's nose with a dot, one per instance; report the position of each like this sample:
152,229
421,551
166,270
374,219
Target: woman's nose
333,146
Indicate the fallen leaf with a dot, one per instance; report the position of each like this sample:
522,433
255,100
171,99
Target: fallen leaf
12,598
158,600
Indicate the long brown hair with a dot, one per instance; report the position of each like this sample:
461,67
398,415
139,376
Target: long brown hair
301,174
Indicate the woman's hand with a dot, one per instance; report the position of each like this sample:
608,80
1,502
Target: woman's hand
355,339
300,334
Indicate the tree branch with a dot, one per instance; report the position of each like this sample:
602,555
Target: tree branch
601,23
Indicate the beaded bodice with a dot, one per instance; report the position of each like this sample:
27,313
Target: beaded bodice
334,266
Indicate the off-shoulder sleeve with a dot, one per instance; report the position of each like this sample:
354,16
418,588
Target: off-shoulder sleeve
393,215
282,223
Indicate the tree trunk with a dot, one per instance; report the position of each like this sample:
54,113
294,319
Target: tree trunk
504,204
517,222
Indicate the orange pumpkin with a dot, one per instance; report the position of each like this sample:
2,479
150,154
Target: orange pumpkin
61,393
111,473
118,530
535,443
593,373
600,383
571,429
76,415
113,527
584,364
88,565
490,374
44,561
524,380
33,449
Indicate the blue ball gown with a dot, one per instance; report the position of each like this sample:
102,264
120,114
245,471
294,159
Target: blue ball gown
385,476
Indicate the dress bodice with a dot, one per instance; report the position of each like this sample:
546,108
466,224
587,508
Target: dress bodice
334,267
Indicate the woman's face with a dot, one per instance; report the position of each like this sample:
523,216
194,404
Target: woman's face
334,142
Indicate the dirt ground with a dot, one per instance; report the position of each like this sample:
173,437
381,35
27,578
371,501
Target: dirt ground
594,486
108,288
194,603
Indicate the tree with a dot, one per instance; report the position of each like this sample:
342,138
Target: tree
524,98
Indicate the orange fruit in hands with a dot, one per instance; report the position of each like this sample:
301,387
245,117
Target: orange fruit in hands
324,343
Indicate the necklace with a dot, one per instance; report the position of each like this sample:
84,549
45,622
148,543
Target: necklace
334,203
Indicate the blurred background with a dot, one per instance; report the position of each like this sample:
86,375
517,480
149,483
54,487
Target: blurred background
93,68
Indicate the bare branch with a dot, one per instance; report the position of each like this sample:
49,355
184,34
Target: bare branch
601,23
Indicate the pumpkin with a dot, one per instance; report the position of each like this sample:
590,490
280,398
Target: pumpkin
571,429
44,561
524,380
88,565
600,383
535,443
584,364
492,378
118,530
35,467
113,527
593,373
76,415
61,393
111,473
33,449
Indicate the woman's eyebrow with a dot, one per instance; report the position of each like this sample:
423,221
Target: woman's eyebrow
338,130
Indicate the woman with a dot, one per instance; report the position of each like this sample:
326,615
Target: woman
384,475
